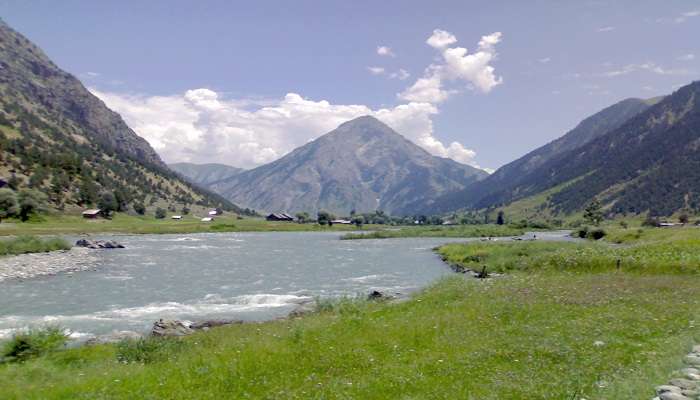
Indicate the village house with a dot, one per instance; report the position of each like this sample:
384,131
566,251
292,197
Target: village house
280,217
91,214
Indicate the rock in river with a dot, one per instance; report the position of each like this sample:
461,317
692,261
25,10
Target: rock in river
99,244
170,328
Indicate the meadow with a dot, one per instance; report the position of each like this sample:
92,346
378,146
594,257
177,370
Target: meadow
564,322
31,244
437,231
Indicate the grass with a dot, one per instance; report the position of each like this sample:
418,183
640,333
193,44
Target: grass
438,231
564,323
31,244
123,223
31,344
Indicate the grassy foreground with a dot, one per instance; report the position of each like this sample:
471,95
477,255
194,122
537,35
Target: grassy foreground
31,244
565,323
438,231
123,223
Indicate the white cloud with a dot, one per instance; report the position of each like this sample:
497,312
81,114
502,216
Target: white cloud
441,39
689,14
200,126
648,66
605,29
92,74
545,60
375,70
457,65
385,51
686,57
401,75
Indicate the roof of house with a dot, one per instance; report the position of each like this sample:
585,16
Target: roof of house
280,216
91,212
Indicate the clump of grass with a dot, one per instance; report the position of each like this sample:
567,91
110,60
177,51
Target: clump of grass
148,350
439,231
224,227
33,343
31,244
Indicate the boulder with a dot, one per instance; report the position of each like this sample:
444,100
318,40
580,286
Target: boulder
170,328
685,384
98,244
206,325
673,396
113,337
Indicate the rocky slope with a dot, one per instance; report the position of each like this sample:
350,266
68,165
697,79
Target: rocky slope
363,165
649,163
57,137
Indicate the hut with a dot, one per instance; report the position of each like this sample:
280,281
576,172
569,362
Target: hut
280,217
207,219
341,222
91,214
177,217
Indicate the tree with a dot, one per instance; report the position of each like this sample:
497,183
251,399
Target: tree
324,218
500,220
160,213
107,204
8,204
302,217
87,192
358,220
139,208
593,213
219,211
14,182
683,218
30,202
185,210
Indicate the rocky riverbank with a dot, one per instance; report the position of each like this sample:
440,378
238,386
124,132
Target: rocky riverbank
686,385
25,266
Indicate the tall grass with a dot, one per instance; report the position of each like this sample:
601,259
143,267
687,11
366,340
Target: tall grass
32,343
31,244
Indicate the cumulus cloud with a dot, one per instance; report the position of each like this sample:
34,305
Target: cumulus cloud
545,60
201,126
385,51
687,57
457,64
441,39
401,75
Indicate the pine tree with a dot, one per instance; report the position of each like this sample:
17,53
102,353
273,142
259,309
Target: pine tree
593,213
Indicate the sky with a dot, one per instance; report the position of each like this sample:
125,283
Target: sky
243,83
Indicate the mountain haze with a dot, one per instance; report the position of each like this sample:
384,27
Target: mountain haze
55,136
362,165
205,174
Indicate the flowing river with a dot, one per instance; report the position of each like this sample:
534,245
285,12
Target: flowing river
247,276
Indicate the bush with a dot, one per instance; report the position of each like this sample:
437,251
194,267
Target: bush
596,234
31,244
581,233
160,213
148,350
33,343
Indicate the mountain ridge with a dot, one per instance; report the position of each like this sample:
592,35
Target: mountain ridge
362,165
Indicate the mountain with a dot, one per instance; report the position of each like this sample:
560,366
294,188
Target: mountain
649,163
55,136
505,184
205,174
362,165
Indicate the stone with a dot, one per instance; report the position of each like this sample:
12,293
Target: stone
98,244
206,325
684,383
667,388
692,360
696,348
693,394
673,396
170,328
302,309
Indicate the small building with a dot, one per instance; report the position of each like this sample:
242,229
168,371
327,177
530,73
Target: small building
91,214
207,219
177,217
280,217
213,212
341,222
449,223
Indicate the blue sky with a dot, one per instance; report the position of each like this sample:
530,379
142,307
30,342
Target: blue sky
209,81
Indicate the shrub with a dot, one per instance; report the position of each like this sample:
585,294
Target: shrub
596,234
8,203
33,343
160,213
581,232
148,350
30,202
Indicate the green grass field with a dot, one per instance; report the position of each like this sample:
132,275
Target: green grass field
437,231
563,323
123,223
31,244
